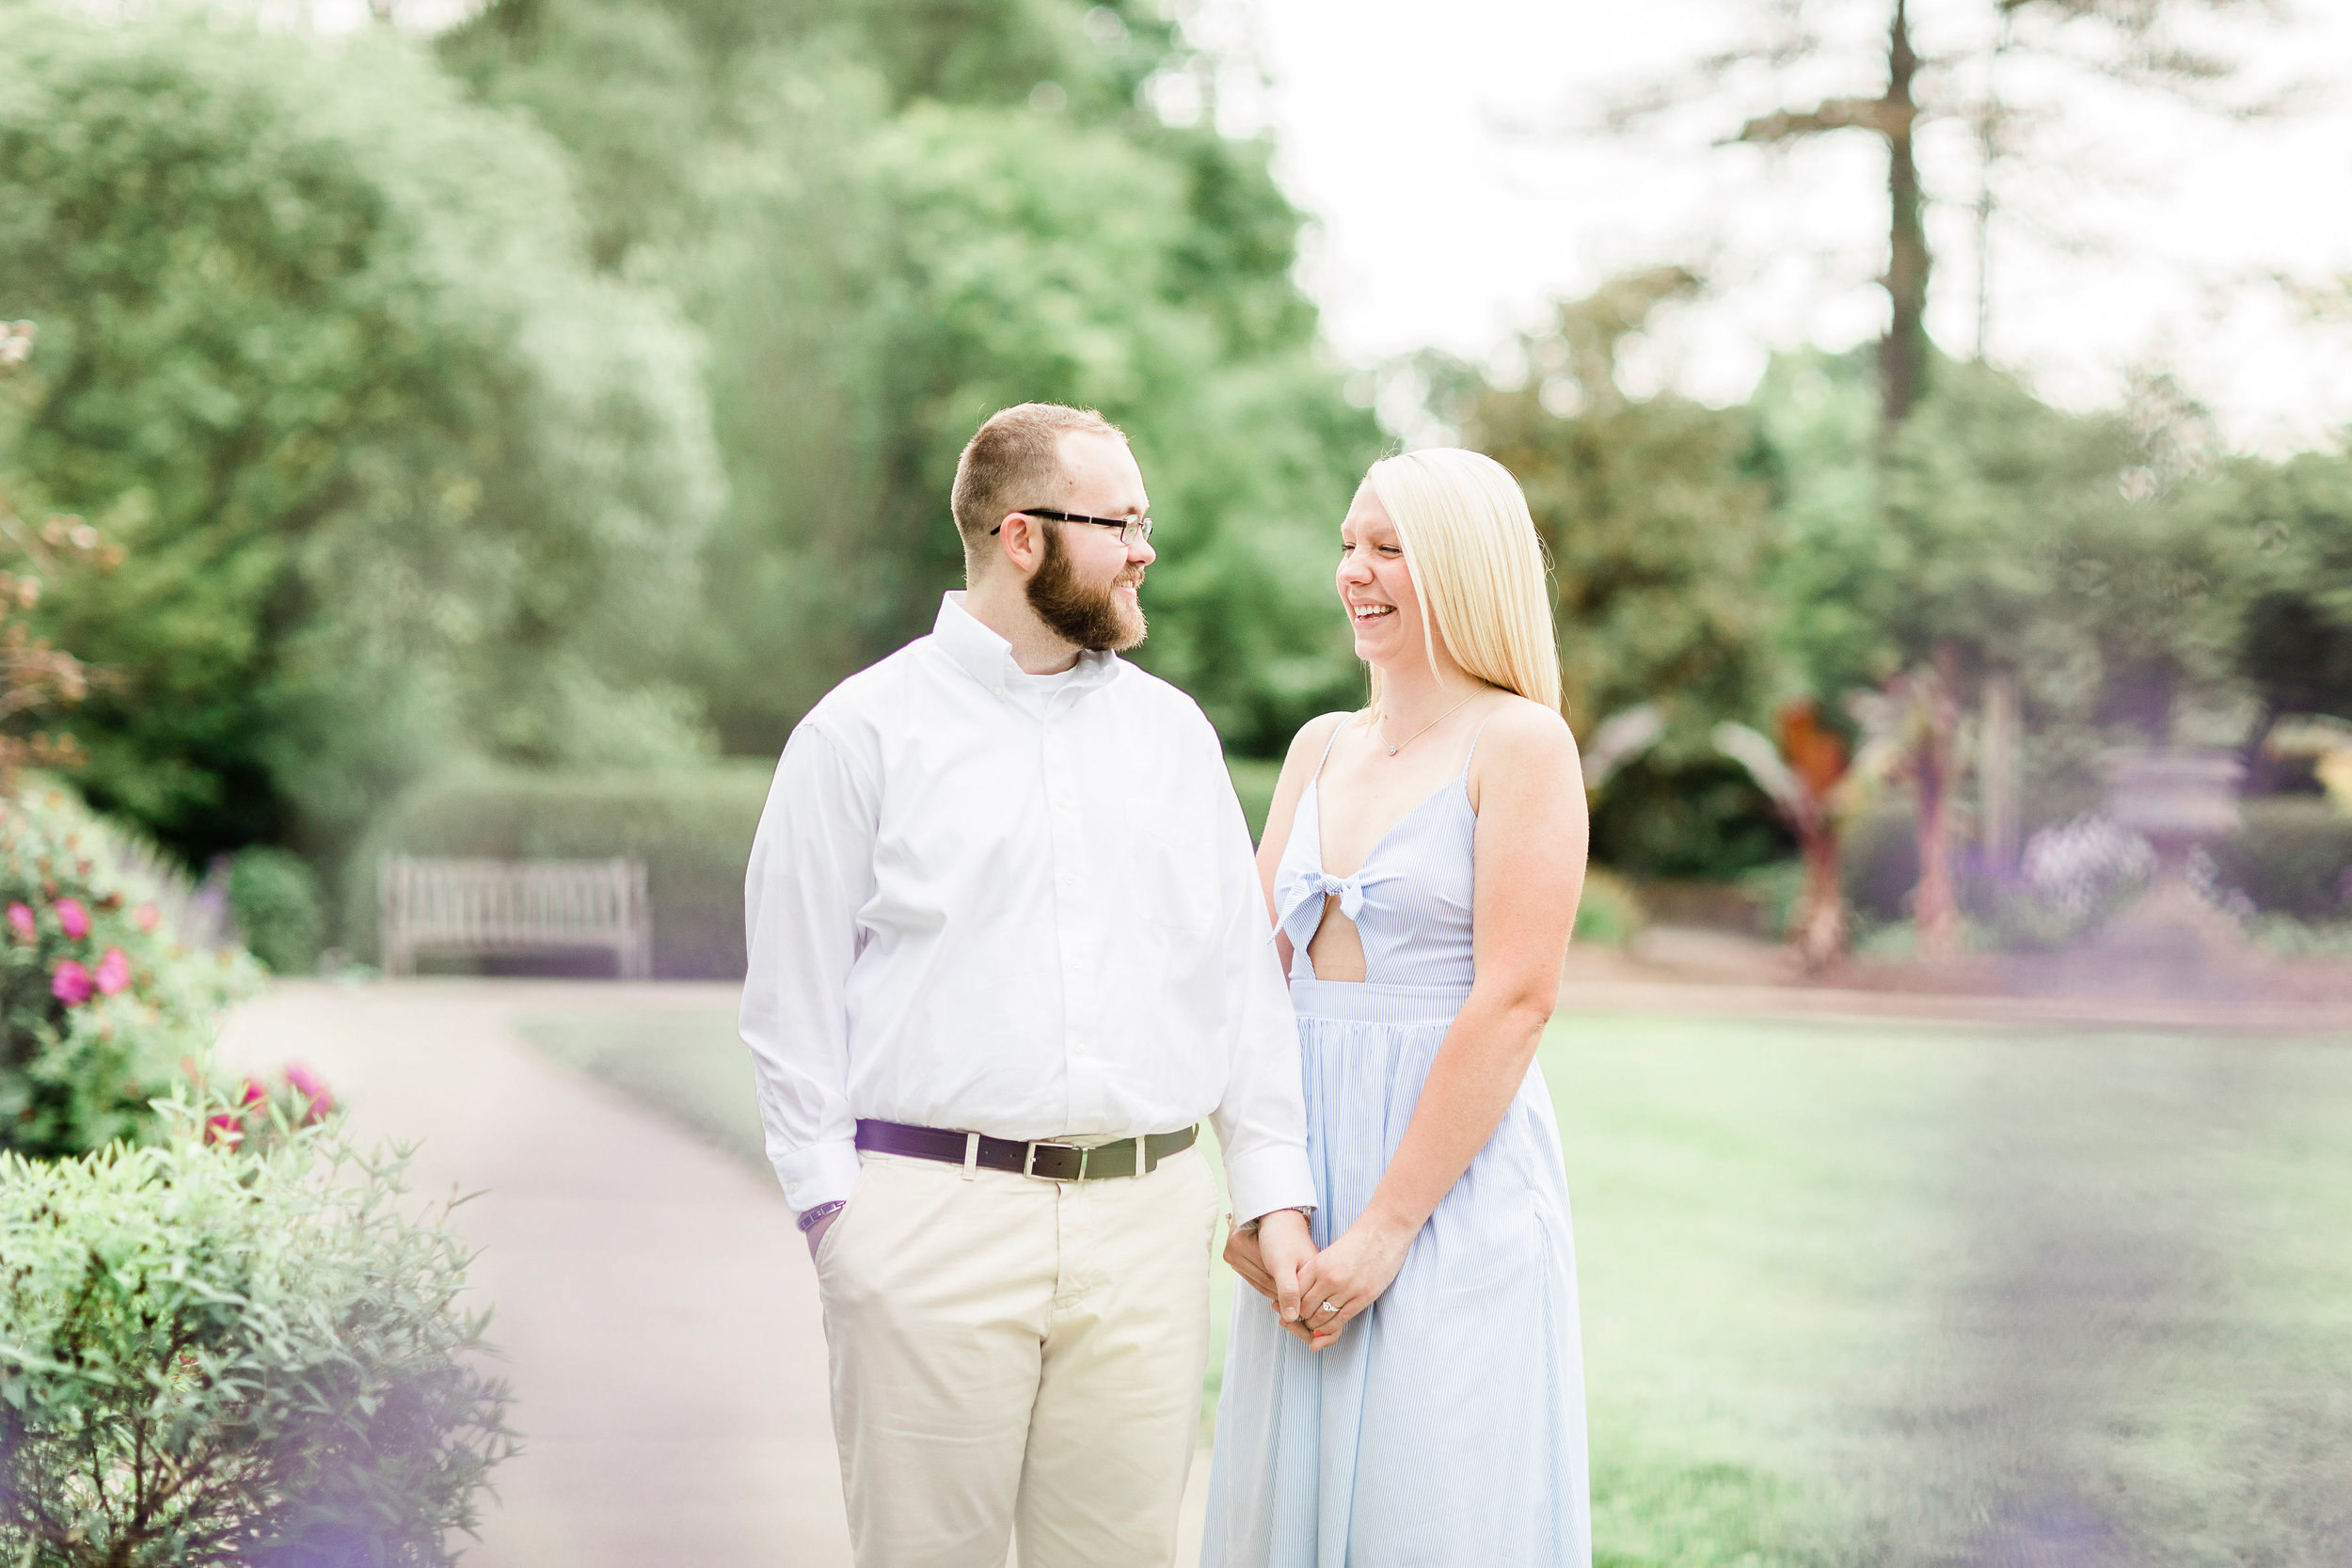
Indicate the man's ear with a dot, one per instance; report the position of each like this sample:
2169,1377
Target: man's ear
1017,541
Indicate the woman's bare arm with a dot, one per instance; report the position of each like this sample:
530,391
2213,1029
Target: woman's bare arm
1529,871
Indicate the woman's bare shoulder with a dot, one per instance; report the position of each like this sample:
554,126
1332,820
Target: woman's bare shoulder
1521,729
1312,737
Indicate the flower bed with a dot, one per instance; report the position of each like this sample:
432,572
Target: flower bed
104,1002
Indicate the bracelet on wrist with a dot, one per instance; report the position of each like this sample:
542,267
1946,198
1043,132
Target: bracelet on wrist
817,1214
1249,1227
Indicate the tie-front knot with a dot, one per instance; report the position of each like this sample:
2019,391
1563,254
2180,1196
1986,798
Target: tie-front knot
1348,889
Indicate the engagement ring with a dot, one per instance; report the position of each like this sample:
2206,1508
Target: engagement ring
1328,1308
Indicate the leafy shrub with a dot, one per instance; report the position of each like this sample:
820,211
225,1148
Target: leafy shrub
2294,857
1610,912
215,1355
692,828
1706,821
275,897
100,998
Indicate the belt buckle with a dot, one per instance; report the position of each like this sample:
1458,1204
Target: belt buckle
1029,1160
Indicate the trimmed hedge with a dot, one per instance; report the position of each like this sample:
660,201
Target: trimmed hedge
2293,858
692,827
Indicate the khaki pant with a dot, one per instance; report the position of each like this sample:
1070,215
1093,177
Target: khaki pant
1011,1353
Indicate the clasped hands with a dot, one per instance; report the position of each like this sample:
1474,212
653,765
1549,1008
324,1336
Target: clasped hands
1280,1262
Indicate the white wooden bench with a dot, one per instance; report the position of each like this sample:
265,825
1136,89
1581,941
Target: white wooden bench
450,907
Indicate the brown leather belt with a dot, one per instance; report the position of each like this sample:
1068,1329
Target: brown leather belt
1043,1162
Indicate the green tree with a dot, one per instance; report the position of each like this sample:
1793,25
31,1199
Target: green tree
1656,516
893,218
2072,549
399,473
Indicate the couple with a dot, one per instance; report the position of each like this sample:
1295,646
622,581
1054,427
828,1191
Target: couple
1009,949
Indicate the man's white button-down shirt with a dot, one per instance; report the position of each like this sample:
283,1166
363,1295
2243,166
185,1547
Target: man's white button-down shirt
1018,906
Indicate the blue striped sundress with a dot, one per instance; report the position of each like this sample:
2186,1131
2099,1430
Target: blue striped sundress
1446,1427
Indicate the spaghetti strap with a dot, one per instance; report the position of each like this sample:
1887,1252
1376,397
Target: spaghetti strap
1327,749
1473,748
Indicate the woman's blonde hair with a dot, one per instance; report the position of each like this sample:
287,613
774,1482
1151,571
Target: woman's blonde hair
1477,565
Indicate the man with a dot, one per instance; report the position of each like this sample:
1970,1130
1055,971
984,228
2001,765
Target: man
1006,950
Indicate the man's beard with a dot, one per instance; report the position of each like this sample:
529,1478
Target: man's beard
1094,618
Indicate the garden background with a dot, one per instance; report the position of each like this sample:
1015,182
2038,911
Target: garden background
487,434
547,408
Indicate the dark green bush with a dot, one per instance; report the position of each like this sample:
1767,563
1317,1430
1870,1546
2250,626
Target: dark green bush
1880,859
2293,858
273,896
1705,822
692,827
251,1352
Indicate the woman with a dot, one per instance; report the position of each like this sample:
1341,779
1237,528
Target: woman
1423,859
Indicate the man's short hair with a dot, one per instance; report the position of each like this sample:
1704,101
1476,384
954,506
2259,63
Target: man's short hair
1013,461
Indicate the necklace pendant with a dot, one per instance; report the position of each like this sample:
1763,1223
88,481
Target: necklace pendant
1391,751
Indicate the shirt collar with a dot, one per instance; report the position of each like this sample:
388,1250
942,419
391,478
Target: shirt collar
988,657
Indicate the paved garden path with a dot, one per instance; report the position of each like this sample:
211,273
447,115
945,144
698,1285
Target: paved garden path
655,1309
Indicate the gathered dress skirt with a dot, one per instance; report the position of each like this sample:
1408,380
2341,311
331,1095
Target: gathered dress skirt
1446,1427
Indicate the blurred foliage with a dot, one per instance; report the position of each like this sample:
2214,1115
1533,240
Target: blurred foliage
36,676
103,998
400,474
274,898
580,391
1253,781
2064,547
892,219
2295,643
2293,856
1655,513
1610,914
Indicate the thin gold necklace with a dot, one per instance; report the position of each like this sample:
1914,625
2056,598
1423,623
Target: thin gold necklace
1424,729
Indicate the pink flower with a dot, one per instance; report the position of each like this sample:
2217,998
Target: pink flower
74,918
224,1127
70,984
113,971
313,1088
147,916
251,1093
21,917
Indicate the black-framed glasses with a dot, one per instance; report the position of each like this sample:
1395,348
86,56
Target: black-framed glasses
1130,528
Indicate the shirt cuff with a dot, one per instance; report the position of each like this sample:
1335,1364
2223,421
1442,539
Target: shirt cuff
821,1173
1266,1180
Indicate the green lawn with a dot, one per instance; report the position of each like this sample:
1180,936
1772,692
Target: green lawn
1904,1294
